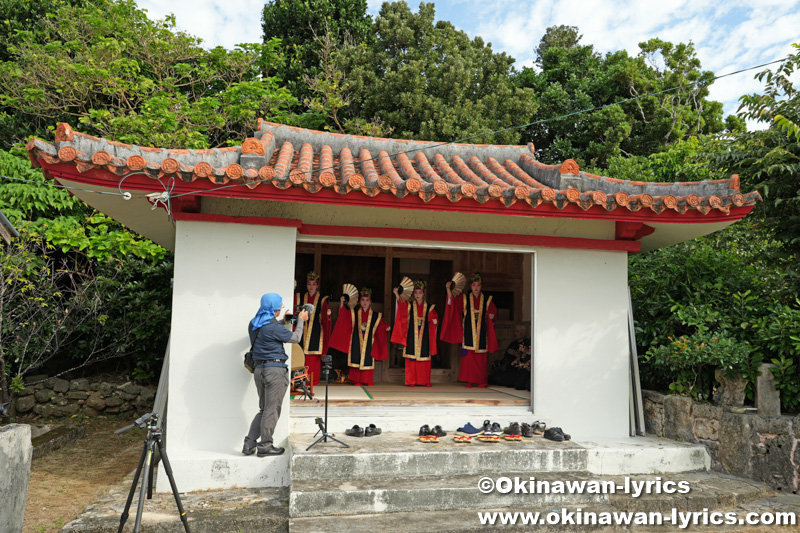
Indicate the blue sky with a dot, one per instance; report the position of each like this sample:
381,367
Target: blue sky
728,35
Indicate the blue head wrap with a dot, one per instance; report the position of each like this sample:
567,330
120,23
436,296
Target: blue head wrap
270,303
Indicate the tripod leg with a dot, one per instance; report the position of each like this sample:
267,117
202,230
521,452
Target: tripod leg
168,470
124,517
145,471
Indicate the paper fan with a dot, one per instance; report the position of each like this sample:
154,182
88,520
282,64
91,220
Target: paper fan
459,281
406,288
350,292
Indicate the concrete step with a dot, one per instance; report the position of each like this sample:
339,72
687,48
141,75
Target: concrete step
404,455
432,493
712,492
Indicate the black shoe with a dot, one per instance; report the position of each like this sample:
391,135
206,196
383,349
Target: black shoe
538,428
513,429
355,431
438,431
527,430
552,434
272,450
425,430
496,429
248,451
371,430
559,430
487,427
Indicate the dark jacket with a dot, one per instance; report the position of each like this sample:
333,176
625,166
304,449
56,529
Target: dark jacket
269,341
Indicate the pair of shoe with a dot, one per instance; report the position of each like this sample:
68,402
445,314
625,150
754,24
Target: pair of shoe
426,434
537,428
358,431
556,434
492,428
469,430
513,432
462,439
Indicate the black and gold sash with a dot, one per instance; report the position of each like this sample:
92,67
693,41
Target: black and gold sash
475,323
312,329
360,352
418,334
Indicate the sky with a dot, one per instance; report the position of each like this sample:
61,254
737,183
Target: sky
728,35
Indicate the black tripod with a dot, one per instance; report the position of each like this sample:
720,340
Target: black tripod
154,434
327,364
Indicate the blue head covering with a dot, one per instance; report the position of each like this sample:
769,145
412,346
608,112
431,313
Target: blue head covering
270,303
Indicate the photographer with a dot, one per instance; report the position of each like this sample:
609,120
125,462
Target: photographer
268,334
513,370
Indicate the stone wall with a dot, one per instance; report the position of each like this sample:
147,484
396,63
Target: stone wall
15,464
761,447
55,397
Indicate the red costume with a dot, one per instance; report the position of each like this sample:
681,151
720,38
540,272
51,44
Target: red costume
419,340
467,321
316,332
364,344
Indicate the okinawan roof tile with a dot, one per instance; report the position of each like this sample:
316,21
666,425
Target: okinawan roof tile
327,179
495,190
734,182
670,202
548,194
82,166
219,180
468,190
253,146
67,153
101,157
572,194
202,169
521,192
284,161
384,182
298,176
692,200
645,199
414,185
266,173
714,201
63,133
737,199
234,171
569,167
599,197
356,181
440,187
368,168
136,163
621,198
170,165
150,149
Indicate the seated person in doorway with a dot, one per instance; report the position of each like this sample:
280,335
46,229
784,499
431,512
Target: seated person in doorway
363,336
317,330
512,352
469,320
415,330
516,370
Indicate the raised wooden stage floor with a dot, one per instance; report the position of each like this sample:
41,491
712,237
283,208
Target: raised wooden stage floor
396,394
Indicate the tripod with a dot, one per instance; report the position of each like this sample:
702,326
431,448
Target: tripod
154,434
327,363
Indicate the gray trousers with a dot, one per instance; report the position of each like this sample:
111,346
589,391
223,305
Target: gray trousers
271,383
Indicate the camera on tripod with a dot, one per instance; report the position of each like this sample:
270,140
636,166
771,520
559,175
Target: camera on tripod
327,364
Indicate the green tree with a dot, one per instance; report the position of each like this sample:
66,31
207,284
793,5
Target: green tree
303,27
125,77
573,76
430,81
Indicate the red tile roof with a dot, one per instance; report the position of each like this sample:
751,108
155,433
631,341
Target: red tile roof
285,157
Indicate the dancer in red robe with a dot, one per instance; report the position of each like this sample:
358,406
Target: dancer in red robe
362,335
317,330
469,321
415,329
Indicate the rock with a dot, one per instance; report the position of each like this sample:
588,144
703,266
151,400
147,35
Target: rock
704,410
796,426
77,395
734,444
95,401
106,389
781,425
769,464
35,379
27,391
88,411
768,398
653,396
113,401
731,390
706,429
57,384
25,404
50,410
44,395
654,417
677,418
79,385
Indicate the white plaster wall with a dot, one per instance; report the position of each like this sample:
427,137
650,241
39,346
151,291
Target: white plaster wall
221,271
581,368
